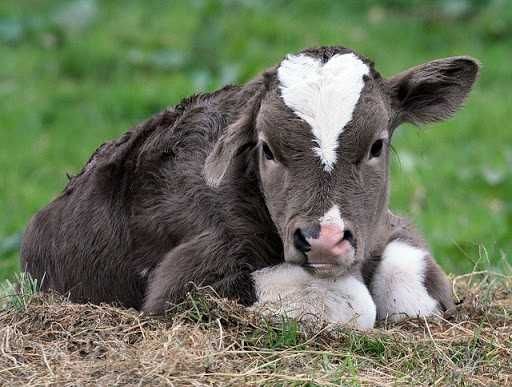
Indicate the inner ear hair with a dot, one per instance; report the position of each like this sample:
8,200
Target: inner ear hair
433,91
237,138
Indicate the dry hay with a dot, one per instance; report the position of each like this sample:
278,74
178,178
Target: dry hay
207,341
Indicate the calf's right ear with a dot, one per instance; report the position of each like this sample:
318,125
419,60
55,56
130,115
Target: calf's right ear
237,137
432,91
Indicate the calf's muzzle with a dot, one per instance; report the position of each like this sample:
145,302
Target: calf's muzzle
325,246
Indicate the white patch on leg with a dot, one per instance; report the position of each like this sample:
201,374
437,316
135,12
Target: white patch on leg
290,290
398,284
324,95
333,216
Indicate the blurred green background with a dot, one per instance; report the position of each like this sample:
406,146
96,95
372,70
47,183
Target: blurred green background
76,73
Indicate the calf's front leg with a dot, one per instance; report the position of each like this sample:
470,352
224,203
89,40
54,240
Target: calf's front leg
406,281
201,261
290,290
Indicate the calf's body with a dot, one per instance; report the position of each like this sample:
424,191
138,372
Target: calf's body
141,201
224,188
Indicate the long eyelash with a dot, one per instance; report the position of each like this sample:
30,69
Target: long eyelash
249,147
254,146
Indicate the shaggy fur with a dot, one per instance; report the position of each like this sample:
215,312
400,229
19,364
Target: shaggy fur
187,196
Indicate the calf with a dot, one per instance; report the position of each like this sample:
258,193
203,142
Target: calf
263,192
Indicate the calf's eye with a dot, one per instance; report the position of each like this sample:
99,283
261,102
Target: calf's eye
376,149
267,152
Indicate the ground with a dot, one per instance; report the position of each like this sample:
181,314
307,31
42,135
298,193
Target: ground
74,74
206,341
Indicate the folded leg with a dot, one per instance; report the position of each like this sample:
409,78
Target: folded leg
407,282
202,261
290,290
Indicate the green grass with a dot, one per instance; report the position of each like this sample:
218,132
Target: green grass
18,293
74,74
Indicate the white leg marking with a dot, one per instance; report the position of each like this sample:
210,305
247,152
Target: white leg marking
398,284
290,290
324,95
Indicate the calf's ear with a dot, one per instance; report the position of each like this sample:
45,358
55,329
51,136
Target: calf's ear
432,91
237,137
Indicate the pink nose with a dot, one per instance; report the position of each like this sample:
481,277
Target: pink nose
326,246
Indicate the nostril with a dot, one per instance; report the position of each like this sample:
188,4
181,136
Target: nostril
300,242
348,236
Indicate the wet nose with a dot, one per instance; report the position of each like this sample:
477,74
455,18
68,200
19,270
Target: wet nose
322,242
300,240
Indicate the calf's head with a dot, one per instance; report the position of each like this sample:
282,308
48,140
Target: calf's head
320,126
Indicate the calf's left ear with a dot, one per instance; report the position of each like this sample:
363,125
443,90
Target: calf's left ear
237,137
432,91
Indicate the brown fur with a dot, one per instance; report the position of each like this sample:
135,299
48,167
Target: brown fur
186,197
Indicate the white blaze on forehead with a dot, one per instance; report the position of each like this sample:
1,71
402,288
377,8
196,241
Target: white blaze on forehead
324,95
333,216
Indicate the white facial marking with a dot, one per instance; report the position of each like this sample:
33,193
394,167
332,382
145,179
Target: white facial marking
324,95
333,216
289,290
398,284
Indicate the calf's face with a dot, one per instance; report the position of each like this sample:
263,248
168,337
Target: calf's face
323,133
321,127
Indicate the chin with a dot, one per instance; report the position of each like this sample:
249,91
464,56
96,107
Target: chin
328,270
